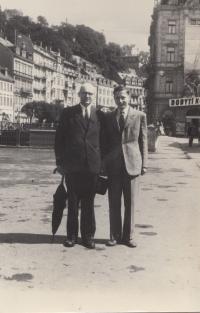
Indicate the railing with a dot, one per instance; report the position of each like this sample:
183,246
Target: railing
28,135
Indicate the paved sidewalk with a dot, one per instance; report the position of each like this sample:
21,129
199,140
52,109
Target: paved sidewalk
161,274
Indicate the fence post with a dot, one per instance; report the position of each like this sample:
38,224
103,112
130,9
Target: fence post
18,135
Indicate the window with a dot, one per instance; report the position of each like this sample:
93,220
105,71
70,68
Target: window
23,53
169,86
195,21
18,50
170,54
171,27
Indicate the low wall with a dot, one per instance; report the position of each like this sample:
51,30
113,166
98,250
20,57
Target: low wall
41,138
44,138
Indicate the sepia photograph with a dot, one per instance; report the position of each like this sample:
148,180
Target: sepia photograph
99,156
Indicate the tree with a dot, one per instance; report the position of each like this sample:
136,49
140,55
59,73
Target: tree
2,22
144,62
42,20
68,39
43,111
29,109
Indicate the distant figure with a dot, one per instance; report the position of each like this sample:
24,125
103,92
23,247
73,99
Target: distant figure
160,128
199,134
192,133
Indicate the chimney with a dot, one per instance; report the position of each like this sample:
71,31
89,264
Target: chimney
6,71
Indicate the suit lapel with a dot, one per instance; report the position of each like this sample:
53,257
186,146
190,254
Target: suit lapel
114,121
80,119
130,117
93,116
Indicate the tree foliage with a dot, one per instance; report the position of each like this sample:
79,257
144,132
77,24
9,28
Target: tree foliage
68,39
43,111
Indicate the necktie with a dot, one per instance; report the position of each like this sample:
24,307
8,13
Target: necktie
121,121
86,115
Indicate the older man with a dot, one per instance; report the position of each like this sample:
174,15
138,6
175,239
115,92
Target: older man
78,158
125,151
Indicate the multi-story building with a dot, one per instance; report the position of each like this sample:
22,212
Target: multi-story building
89,72
71,74
18,59
104,97
42,75
6,95
175,57
43,72
54,77
135,85
22,74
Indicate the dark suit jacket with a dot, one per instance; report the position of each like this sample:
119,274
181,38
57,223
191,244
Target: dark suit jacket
130,147
76,142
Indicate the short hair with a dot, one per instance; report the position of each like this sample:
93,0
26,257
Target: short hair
119,88
87,87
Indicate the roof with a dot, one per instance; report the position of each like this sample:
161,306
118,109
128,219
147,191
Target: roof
44,52
5,42
6,78
24,41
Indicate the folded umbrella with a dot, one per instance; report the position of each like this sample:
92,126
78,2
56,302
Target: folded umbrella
59,203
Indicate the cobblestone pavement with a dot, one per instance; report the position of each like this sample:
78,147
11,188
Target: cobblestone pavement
161,274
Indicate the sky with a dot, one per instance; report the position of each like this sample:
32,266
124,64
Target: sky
122,22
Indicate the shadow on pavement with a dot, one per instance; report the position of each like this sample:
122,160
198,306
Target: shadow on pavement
27,238
184,146
175,145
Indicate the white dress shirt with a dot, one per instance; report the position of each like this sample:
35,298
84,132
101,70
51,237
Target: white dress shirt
88,108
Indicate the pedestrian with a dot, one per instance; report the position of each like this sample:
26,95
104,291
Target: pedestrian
125,159
77,154
192,132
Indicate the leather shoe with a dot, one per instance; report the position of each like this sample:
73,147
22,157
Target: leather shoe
69,243
130,243
111,243
89,244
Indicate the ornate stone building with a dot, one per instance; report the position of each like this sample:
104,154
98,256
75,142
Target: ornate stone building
174,54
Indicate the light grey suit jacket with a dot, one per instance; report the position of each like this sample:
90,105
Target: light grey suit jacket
130,147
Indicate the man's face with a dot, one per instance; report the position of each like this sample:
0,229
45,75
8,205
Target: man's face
86,95
121,99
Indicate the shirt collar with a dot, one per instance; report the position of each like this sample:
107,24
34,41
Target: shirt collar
88,109
125,110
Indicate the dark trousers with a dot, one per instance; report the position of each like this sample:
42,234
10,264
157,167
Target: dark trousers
81,189
122,183
191,141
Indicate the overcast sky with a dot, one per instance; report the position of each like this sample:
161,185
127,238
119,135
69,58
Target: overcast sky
121,21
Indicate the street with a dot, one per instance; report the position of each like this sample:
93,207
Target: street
161,274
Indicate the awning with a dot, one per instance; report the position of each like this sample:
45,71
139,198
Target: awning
193,117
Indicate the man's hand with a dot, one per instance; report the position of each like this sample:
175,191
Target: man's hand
60,170
144,170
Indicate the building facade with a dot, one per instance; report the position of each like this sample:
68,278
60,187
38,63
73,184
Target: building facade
23,75
43,73
135,85
6,96
174,29
105,97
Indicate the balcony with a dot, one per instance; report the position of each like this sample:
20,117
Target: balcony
27,93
